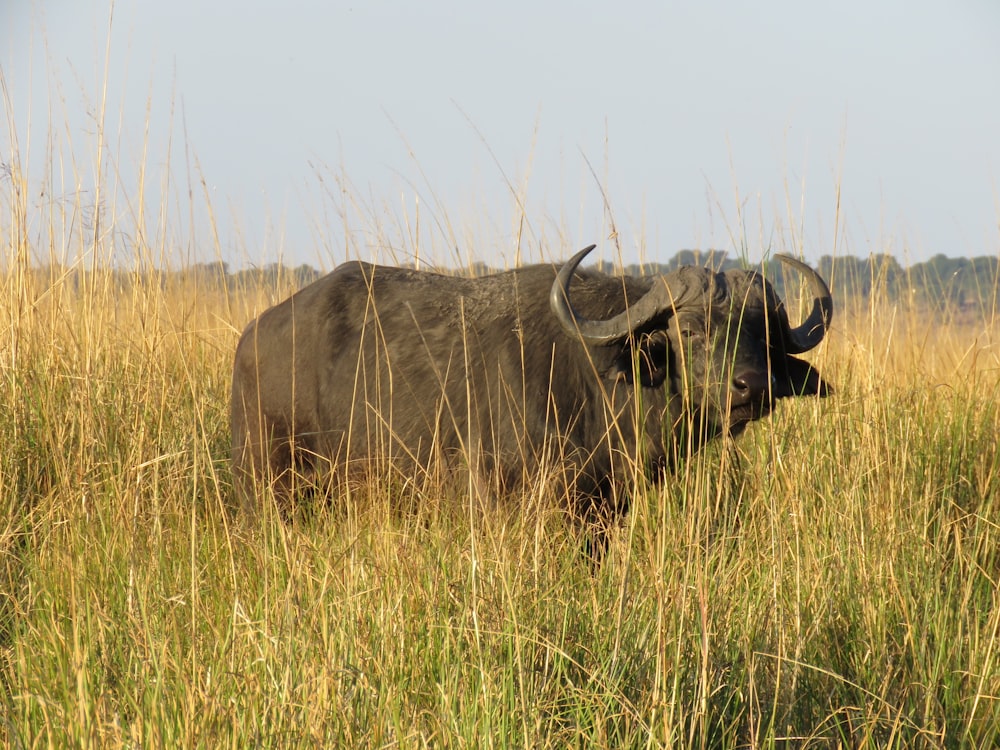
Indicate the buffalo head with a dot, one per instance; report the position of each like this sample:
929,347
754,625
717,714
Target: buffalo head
720,344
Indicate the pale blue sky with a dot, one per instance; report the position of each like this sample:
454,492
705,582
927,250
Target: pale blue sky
685,110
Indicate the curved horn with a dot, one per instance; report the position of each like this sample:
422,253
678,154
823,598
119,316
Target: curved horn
808,335
667,292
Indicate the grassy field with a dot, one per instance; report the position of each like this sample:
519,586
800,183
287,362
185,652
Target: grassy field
829,580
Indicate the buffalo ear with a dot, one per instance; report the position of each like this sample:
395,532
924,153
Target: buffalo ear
646,358
804,379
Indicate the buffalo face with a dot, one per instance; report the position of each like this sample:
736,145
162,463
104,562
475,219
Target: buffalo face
719,344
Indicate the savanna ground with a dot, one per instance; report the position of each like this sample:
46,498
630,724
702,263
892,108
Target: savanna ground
829,580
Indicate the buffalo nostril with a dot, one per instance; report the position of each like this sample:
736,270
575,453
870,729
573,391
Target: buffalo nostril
749,386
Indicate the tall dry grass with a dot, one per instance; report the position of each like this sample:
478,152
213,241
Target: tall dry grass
830,580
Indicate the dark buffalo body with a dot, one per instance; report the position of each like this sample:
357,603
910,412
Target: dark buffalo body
571,372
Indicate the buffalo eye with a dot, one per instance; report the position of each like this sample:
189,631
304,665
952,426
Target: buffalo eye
689,335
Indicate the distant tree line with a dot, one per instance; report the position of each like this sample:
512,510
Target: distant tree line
963,283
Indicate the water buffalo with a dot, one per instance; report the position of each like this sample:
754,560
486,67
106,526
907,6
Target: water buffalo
574,374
